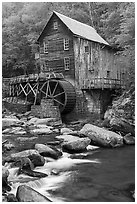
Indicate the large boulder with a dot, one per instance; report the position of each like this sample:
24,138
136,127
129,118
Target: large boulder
122,125
67,138
102,137
27,194
5,183
26,163
121,116
78,145
32,173
44,126
129,139
40,131
11,198
8,122
32,154
44,121
47,151
14,130
66,131
27,168
5,174
32,121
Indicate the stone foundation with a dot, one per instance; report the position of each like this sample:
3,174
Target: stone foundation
16,106
90,102
98,100
46,109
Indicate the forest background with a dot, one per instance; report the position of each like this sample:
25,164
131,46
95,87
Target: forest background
22,22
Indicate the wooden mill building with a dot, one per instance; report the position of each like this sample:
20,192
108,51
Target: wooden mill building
86,60
77,68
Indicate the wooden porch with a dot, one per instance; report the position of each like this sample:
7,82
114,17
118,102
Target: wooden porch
102,83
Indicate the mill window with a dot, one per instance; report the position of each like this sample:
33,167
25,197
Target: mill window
87,49
67,63
66,44
55,25
45,47
108,74
123,75
117,75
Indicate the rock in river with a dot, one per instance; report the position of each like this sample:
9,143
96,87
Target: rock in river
32,154
102,137
28,194
5,174
40,131
78,145
47,151
32,173
129,139
44,121
67,138
8,122
66,131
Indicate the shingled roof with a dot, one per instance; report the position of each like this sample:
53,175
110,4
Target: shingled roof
79,29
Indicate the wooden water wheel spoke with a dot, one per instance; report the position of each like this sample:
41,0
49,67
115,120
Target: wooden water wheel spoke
49,89
55,88
58,102
45,94
59,94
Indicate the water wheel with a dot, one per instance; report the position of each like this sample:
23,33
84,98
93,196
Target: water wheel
62,92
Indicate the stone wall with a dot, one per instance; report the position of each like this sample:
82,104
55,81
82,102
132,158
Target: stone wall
16,107
98,100
46,109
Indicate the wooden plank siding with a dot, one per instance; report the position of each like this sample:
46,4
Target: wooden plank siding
91,64
54,58
97,64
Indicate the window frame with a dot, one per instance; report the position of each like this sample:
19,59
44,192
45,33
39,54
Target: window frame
66,43
46,47
87,49
67,63
55,25
108,73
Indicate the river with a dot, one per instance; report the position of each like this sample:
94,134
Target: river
102,175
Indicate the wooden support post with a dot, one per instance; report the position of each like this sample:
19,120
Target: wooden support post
13,89
10,90
36,94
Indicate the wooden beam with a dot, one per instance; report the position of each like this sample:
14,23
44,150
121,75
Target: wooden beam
36,94
32,88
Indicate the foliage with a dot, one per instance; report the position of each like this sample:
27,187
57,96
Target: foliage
23,22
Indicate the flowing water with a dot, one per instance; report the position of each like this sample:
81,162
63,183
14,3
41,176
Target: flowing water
102,175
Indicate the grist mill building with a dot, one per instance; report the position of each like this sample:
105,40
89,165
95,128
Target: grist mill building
78,69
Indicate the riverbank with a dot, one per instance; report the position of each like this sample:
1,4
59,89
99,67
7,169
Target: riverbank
28,131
